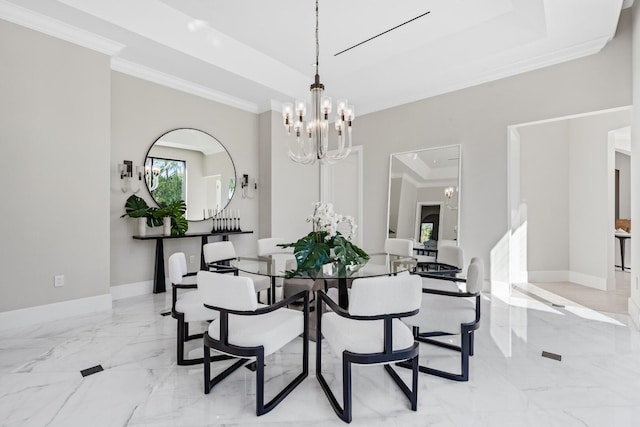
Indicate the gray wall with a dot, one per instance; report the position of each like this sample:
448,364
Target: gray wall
544,169
634,301
142,111
54,122
566,184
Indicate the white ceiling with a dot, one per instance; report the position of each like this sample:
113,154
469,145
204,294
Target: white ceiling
255,54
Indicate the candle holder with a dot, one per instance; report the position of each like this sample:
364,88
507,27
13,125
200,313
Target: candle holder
226,221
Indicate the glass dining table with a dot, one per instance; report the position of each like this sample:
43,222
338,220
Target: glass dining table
276,267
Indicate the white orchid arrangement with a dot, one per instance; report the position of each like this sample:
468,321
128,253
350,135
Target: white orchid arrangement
326,244
325,219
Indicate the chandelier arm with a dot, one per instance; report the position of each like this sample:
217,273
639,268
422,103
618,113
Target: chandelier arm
302,155
342,151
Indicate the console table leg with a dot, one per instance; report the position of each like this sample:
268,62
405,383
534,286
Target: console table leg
203,265
158,275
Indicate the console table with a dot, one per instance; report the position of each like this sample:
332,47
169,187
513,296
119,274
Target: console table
158,273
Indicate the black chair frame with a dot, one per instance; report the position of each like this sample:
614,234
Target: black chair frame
244,354
437,268
386,355
222,266
183,328
466,347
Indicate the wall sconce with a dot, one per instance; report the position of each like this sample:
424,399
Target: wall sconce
247,193
126,177
152,177
449,193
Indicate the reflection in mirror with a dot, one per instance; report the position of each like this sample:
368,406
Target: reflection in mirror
424,192
190,165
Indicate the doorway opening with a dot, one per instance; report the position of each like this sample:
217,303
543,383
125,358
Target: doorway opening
562,205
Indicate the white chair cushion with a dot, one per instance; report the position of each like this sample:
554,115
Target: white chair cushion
475,275
451,255
385,295
218,251
194,310
177,264
272,330
227,291
400,247
260,283
362,336
440,313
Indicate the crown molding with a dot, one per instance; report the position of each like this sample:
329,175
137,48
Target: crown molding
50,26
168,80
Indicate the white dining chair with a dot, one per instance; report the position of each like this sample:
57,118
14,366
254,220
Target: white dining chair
217,256
450,307
250,331
370,332
186,306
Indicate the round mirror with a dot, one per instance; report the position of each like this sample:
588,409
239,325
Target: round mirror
190,165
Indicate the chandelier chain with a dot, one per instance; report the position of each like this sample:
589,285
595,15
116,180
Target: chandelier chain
317,40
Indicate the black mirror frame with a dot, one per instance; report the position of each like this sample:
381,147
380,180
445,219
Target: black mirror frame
235,173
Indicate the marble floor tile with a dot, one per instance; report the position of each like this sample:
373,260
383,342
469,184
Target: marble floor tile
596,382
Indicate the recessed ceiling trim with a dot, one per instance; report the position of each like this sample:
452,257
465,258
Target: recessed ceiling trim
50,26
164,79
382,33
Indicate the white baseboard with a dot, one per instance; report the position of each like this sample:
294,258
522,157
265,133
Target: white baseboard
129,290
634,312
587,280
548,276
568,276
59,310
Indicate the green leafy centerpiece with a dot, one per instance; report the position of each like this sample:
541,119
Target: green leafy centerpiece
325,246
136,207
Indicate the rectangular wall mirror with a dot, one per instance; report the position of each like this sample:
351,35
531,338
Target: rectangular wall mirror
424,195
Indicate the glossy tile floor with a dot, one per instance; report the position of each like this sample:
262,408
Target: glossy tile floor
597,382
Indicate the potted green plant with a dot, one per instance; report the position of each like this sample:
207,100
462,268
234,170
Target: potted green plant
136,207
325,245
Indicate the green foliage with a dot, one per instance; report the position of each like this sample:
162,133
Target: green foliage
313,251
136,207
169,189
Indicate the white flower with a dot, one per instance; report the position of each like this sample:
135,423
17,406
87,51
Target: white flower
325,219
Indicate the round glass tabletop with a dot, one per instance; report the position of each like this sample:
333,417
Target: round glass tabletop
277,266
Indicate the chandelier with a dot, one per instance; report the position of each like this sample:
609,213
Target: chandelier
312,136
